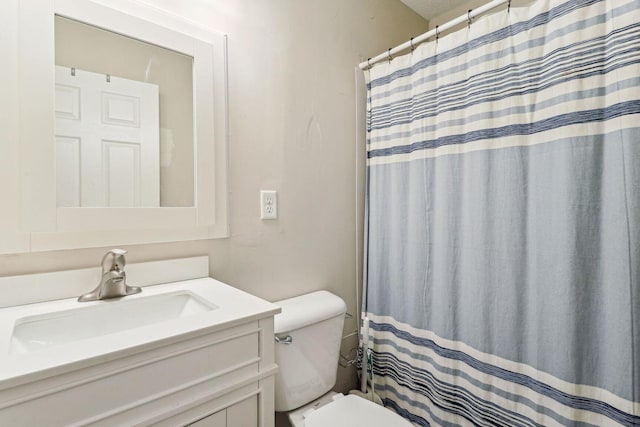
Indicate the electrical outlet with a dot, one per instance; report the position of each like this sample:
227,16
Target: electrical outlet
268,204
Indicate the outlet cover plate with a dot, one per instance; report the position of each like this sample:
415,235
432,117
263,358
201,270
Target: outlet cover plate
268,204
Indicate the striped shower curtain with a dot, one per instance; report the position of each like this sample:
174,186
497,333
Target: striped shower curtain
502,267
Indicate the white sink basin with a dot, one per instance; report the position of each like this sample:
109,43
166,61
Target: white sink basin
106,317
44,339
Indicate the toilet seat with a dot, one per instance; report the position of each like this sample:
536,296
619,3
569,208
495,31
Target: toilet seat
350,411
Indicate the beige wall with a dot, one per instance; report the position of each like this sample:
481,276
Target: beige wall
292,121
455,12
292,129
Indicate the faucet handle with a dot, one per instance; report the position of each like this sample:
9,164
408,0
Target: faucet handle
114,260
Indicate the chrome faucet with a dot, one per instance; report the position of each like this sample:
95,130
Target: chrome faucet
114,280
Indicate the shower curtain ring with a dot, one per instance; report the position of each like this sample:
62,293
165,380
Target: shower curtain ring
437,32
369,63
509,7
411,44
389,55
469,18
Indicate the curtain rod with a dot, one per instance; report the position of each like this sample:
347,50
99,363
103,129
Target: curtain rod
436,31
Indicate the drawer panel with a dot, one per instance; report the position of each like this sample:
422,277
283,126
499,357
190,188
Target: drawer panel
215,362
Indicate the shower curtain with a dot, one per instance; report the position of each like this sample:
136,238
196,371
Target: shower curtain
502,229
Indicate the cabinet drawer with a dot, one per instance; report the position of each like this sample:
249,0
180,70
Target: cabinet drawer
123,390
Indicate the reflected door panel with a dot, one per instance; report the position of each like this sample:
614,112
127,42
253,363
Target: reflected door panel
67,171
107,141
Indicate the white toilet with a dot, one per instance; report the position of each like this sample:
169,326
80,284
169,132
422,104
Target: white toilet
308,334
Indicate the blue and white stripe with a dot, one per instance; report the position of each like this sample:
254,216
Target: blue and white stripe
486,90
412,364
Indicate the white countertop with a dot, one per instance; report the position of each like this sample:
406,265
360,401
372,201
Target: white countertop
233,307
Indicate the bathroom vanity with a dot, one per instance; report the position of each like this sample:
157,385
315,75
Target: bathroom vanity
191,352
185,349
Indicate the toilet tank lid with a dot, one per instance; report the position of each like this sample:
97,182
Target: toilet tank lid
307,309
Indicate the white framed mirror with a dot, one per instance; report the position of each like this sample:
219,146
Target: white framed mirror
164,181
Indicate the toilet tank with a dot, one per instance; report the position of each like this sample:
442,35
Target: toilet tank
309,363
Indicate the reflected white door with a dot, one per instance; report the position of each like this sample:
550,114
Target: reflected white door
107,141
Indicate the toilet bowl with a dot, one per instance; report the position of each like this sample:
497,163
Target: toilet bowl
308,333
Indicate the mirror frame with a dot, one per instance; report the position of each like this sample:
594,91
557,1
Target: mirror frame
50,227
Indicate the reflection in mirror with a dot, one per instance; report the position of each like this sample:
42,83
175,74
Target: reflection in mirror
124,121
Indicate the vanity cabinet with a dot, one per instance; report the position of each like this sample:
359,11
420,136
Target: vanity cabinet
215,368
240,395
219,379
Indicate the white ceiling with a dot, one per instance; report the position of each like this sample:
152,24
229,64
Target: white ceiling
429,9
